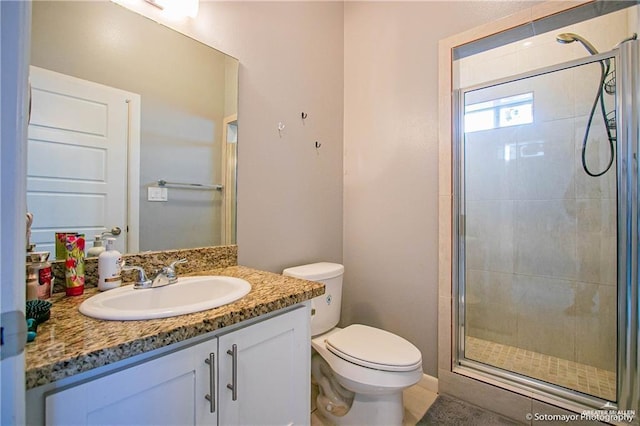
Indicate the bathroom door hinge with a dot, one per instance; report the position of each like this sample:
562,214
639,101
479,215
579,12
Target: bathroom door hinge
13,334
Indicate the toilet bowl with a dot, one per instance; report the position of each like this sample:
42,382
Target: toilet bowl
361,371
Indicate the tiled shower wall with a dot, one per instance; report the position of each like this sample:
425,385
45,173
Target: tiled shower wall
540,233
541,247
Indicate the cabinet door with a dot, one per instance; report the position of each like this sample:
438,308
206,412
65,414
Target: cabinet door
272,362
169,390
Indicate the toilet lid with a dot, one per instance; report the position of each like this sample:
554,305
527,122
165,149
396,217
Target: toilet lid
374,348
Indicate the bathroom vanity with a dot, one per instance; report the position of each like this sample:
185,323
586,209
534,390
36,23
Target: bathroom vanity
242,363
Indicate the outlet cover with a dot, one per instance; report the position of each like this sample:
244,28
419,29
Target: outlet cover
155,193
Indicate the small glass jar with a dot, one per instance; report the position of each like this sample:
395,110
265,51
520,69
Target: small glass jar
41,268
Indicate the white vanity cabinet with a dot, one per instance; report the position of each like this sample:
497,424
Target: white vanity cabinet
168,390
260,376
271,361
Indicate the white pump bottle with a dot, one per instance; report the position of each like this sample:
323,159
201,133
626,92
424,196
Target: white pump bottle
109,267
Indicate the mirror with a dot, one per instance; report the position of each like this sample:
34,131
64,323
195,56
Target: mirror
188,95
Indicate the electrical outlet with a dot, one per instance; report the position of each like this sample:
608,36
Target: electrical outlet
155,193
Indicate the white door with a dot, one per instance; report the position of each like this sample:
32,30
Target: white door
78,151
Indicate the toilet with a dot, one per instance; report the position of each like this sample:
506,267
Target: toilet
361,371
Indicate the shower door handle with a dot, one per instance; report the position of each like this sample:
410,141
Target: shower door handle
234,372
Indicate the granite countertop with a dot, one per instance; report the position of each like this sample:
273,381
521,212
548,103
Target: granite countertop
70,343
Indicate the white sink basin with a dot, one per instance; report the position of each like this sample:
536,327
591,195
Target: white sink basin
188,295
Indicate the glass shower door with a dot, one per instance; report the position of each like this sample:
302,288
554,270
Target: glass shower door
538,231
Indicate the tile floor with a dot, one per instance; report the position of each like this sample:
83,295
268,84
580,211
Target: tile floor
572,375
417,399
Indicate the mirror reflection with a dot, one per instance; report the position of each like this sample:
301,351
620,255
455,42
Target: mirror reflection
132,125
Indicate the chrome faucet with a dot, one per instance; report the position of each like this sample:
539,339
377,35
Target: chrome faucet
167,275
143,281
164,276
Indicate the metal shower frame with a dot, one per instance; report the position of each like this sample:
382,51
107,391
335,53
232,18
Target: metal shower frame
627,60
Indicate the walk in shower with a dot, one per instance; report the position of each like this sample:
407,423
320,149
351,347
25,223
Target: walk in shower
545,211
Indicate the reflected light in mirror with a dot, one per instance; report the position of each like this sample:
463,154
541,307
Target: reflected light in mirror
177,8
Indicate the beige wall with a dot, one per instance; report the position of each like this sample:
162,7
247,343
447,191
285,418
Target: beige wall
391,161
290,207
289,193
291,61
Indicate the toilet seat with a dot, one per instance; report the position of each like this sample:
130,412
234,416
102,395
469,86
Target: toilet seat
360,378
374,348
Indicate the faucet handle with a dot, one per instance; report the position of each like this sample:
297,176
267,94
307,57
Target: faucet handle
167,275
177,262
143,281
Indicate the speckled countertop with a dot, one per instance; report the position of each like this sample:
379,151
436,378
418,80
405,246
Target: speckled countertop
70,343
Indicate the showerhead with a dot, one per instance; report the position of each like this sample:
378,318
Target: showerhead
566,38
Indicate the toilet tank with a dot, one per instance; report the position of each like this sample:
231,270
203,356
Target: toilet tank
325,309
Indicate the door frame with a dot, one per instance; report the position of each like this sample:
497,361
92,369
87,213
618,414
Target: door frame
229,175
15,37
133,174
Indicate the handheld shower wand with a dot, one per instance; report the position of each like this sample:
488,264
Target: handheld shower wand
566,38
609,124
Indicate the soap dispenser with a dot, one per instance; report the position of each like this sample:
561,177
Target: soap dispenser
97,247
109,267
